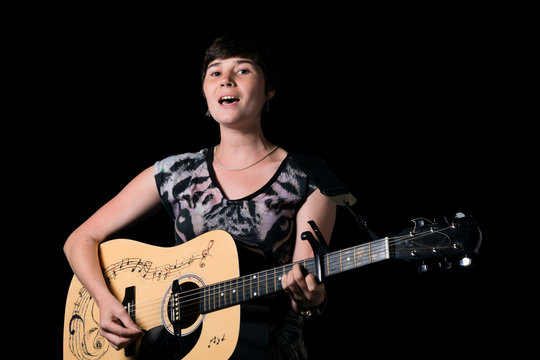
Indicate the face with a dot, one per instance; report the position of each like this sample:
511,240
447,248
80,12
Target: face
235,90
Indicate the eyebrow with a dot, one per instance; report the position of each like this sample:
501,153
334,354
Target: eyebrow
241,61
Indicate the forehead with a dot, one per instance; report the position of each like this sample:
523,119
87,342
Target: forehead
231,62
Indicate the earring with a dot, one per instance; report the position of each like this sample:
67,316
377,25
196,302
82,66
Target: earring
267,106
208,113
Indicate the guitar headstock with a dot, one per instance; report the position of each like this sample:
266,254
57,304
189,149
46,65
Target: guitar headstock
442,238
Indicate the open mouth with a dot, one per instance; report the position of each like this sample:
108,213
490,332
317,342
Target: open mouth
228,100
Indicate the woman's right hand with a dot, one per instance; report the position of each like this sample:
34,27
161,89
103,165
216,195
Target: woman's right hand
116,325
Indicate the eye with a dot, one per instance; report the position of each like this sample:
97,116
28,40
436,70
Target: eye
244,71
215,73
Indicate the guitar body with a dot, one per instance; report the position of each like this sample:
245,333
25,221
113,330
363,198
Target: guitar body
141,277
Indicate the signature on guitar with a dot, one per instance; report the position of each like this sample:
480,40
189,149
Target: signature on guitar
216,340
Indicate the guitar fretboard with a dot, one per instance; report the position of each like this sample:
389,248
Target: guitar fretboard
235,291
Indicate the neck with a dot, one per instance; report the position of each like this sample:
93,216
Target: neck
242,145
234,291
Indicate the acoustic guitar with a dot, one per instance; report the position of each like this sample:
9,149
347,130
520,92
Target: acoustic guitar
191,292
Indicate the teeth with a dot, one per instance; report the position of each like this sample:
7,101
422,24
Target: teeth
228,99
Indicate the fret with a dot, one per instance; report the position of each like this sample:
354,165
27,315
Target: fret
255,291
328,264
277,277
214,296
363,254
245,288
309,264
231,291
225,292
381,250
265,291
218,294
222,297
210,298
234,291
348,259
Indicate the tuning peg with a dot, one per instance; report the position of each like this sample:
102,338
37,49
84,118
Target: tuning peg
422,268
445,264
466,261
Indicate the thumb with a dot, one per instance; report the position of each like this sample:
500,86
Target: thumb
128,322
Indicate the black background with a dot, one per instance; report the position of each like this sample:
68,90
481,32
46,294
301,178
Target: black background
408,106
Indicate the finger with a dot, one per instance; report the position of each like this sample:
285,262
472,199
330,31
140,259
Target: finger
116,341
130,326
284,283
299,276
306,284
117,328
293,288
118,335
288,282
311,282
116,320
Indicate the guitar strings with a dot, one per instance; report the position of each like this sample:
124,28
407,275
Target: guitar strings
194,295
373,250
191,300
191,304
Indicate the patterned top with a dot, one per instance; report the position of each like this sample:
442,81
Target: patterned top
264,220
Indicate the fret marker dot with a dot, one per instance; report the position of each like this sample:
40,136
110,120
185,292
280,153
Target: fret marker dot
348,259
234,291
221,294
254,276
255,294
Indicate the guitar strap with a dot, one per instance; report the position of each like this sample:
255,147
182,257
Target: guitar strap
324,179
330,186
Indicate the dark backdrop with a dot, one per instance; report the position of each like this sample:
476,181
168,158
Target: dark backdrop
401,103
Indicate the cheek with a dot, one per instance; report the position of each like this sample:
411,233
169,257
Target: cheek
205,90
258,96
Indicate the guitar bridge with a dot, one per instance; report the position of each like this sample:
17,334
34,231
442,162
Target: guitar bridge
174,308
129,305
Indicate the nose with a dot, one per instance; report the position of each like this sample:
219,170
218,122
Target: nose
226,83
227,80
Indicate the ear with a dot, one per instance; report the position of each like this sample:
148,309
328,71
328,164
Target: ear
270,94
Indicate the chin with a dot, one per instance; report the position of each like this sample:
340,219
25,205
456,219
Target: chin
231,119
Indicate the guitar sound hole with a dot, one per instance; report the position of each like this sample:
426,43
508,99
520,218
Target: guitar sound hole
189,305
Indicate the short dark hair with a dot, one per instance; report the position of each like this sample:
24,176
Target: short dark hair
241,45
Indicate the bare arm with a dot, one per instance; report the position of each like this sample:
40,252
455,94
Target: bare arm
305,291
138,199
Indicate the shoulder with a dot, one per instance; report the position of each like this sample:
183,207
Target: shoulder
308,163
309,166
183,162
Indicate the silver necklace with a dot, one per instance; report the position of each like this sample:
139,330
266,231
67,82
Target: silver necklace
246,167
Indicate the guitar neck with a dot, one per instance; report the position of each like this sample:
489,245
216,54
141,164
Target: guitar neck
235,291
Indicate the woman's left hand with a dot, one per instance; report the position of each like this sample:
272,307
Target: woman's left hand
305,291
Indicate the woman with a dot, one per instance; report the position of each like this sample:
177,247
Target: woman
245,185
